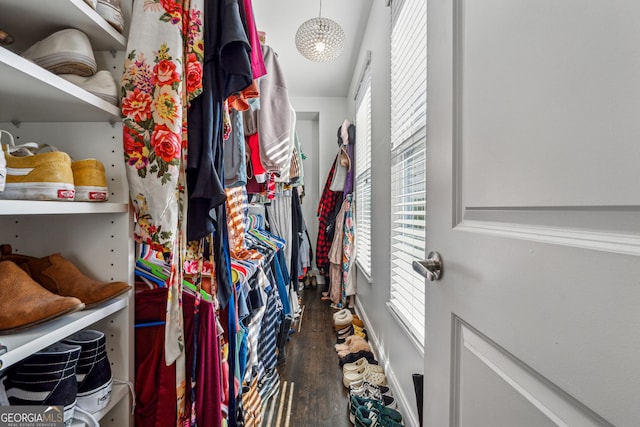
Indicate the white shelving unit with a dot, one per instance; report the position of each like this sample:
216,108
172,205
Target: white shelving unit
36,105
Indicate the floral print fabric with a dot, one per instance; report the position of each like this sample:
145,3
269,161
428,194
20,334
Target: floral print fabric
162,72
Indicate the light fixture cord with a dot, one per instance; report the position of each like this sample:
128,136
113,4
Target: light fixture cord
320,13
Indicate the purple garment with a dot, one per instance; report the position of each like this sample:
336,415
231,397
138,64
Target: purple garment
348,183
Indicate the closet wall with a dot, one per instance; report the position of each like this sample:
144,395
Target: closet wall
400,355
36,105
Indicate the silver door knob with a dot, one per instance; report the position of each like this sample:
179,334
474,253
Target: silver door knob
430,268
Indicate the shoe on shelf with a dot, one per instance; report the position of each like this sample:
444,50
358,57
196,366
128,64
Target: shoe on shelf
93,372
111,11
60,276
90,181
92,3
64,52
5,38
24,303
41,176
46,378
3,169
101,84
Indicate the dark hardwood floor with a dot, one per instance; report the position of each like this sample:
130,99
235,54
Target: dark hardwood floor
311,370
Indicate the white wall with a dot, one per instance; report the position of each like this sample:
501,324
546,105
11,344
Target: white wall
328,114
310,144
401,357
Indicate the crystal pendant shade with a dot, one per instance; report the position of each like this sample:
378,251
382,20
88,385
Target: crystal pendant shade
320,39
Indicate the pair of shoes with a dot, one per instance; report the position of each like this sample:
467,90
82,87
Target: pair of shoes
357,365
371,373
342,318
35,174
375,414
73,371
110,10
352,357
69,53
384,404
36,290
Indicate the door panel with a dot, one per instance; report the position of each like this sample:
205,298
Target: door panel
533,176
489,379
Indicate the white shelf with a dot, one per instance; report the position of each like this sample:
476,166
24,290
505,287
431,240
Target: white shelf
48,16
24,344
33,94
42,207
119,392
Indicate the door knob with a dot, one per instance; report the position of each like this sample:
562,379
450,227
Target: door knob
430,268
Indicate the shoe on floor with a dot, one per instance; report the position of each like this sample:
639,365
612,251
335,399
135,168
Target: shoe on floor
64,52
377,416
90,181
24,303
46,378
93,372
42,176
383,405
60,276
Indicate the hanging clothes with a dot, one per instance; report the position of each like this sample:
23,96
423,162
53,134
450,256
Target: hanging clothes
328,207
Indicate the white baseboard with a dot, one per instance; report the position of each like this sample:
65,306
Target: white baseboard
404,404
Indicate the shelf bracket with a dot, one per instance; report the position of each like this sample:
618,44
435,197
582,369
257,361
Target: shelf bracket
16,123
113,53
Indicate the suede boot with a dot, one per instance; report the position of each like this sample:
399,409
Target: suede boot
24,303
61,277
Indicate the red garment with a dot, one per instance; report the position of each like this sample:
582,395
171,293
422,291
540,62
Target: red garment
326,207
257,63
155,381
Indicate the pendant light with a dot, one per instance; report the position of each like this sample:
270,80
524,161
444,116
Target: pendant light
320,39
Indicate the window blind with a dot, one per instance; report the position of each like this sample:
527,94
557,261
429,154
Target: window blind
363,174
408,155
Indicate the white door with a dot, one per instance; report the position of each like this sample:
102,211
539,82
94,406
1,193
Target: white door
533,160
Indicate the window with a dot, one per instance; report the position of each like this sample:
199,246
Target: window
363,173
408,176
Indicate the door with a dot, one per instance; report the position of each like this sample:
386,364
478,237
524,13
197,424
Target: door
533,160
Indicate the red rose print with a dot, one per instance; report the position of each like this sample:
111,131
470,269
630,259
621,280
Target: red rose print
164,73
194,73
166,144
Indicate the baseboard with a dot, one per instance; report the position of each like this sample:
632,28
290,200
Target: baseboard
404,404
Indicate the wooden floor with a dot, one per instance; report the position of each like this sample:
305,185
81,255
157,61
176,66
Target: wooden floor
311,390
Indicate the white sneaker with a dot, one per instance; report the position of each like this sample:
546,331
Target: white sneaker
100,84
64,52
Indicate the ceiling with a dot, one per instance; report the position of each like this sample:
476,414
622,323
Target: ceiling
280,20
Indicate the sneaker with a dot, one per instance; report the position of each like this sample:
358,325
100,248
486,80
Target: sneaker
42,176
47,378
101,84
64,52
384,405
373,417
90,181
111,11
93,372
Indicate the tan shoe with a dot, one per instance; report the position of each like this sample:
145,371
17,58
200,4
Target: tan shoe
61,277
24,303
90,181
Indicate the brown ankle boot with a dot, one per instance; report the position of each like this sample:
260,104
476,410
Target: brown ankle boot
61,277
24,303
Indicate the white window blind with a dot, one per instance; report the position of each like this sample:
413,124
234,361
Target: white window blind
363,174
408,178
